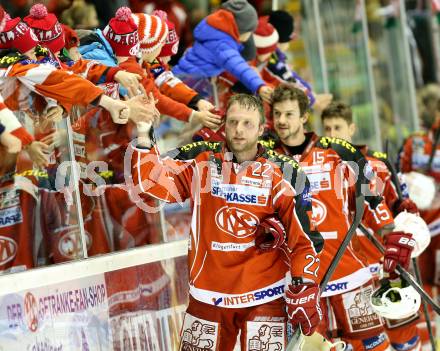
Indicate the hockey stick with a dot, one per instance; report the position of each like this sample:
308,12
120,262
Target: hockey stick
403,272
297,340
396,182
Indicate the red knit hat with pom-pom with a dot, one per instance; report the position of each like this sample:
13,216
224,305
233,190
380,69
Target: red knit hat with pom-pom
17,34
172,41
265,36
121,32
46,26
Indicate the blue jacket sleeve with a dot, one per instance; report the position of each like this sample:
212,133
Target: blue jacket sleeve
232,62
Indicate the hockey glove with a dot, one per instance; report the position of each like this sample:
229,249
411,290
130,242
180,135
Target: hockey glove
405,205
398,248
303,306
207,134
270,235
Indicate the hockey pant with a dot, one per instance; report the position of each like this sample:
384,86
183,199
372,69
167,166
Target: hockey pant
349,316
207,327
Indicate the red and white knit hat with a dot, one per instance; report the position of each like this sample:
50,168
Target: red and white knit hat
122,34
45,25
172,41
265,36
2,18
152,30
18,35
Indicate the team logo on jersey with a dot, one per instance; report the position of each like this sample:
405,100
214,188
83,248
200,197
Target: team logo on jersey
69,244
198,334
265,336
31,312
236,222
8,250
319,212
359,312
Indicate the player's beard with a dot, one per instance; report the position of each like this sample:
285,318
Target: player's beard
247,145
287,134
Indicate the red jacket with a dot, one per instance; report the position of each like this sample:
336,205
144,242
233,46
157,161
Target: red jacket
165,105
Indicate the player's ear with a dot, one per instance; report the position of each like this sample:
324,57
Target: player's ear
261,129
352,129
305,118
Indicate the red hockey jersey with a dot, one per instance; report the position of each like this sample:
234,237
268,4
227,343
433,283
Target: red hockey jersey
229,201
324,160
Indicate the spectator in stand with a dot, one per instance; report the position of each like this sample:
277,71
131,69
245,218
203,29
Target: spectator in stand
218,44
278,70
80,15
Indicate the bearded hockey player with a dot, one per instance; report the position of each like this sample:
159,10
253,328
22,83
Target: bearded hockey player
235,189
337,120
329,165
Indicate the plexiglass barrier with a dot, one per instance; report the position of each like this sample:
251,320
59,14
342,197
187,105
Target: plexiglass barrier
76,209
341,44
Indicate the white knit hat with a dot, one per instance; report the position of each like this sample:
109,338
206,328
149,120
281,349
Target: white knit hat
153,31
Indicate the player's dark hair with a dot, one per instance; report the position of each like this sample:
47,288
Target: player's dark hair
284,92
338,109
249,102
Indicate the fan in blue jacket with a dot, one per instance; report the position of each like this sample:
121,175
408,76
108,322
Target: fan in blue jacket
218,44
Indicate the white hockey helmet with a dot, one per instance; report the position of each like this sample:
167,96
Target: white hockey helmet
395,300
317,342
413,224
421,189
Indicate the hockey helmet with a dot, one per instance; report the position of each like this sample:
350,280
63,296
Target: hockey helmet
413,224
395,300
421,189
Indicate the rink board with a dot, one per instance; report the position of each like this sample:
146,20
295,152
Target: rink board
127,307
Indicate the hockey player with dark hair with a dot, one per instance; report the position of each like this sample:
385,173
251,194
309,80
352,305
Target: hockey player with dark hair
337,120
419,161
330,164
237,189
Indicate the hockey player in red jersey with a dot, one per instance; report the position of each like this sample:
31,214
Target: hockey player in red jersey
346,297
234,188
420,163
337,121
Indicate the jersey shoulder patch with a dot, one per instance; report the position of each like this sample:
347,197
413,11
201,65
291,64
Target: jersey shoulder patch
191,151
377,154
343,148
291,170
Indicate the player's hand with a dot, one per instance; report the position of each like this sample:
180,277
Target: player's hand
322,101
398,248
131,81
266,93
38,153
55,139
10,142
303,308
270,235
119,110
405,205
204,105
206,118
143,109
